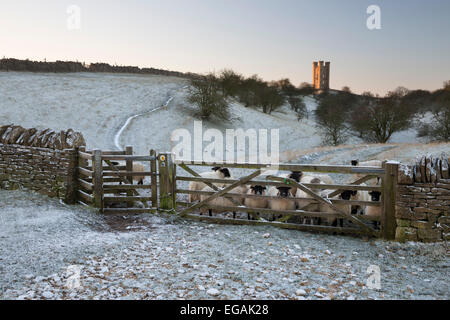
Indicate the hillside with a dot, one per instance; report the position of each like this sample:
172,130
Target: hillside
99,104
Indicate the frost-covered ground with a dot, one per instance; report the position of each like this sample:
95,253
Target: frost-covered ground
162,257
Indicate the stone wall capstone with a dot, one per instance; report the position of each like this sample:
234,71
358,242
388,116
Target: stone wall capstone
40,160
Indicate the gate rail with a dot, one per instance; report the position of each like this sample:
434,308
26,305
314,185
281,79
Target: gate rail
99,176
387,174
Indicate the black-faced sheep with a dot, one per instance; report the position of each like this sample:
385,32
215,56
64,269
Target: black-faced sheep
294,175
256,203
284,202
311,204
137,167
216,173
346,208
370,163
374,212
221,201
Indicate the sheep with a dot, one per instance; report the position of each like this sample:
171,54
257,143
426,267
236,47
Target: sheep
360,195
242,189
220,201
285,202
312,204
137,167
345,195
217,173
374,212
294,175
370,163
326,179
254,202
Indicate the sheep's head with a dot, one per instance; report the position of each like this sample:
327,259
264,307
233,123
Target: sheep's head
258,189
375,195
296,175
316,181
347,194
225,172
284,192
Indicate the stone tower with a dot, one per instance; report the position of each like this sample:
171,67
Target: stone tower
321,75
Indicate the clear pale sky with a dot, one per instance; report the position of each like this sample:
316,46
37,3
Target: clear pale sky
274,39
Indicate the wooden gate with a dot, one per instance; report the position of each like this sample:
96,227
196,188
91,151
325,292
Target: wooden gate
359,224
106,180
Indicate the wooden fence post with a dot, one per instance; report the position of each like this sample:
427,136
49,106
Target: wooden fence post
166,194
388,221
154,179
129,168
98,179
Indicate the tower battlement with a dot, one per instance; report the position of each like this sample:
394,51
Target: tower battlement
321,75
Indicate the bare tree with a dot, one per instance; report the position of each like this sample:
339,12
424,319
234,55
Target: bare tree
447,85
269,98
206,94
331,117
299,107
230,82
439,128
305,89
346,89
382,117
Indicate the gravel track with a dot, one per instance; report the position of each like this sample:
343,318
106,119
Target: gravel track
164,257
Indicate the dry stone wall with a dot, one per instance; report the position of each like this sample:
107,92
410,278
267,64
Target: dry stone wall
423,200
40,160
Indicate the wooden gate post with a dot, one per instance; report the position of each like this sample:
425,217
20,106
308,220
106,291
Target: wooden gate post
388,221
166,181
129,168
98,179
82,163
154,179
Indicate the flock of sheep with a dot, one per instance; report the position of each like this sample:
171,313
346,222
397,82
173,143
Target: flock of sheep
289,198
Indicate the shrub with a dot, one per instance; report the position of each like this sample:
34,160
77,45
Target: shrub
206,94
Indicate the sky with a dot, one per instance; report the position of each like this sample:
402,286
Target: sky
274,39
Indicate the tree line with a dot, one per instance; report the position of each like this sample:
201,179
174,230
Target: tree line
375,119
9,64
211,94
339,114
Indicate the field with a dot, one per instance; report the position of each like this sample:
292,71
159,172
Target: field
163,257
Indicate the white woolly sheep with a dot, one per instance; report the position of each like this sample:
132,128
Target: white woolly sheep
220,201
137,167
294,175
370,163
360,195
285,200
312,204
256,203
217,173
346,208
374,212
